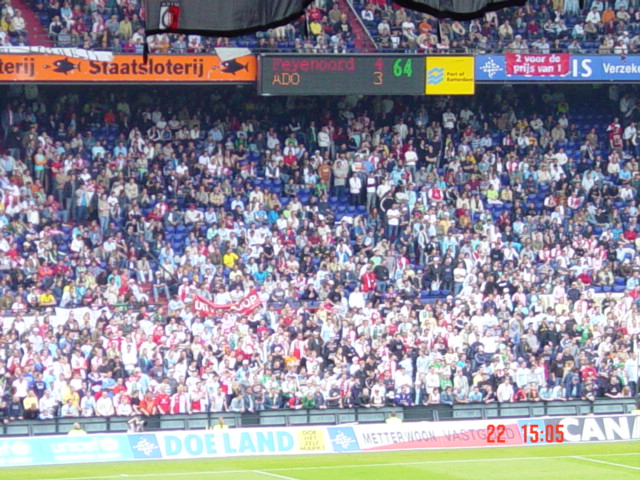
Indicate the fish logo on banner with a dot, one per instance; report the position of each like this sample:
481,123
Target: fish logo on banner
144,446
435,76
343,439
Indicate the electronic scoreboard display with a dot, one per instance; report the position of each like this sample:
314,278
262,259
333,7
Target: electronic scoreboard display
341,75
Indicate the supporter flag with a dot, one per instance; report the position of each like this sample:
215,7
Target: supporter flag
207,308
458,9
220,17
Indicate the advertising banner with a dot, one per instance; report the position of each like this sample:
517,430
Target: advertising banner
569,68
242,442
497,432
97,55
537,64
432,435
244,307
127,69
19,451
64,450
450,76
48,450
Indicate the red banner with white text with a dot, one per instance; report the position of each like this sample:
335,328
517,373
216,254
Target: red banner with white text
537,64
244,307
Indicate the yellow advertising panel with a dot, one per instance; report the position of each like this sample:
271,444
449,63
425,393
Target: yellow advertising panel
450,76
127,68
312,440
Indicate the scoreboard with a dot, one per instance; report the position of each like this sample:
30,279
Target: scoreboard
341,75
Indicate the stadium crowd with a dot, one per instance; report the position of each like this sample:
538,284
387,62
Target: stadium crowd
543,26
405,251
12,26
540,26
119,26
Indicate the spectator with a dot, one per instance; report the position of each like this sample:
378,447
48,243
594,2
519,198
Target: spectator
76,429
104,405
13,410
393,418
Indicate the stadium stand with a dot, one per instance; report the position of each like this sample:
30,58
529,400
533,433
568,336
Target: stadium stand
404,252
13,28
118,26
542,26
329,27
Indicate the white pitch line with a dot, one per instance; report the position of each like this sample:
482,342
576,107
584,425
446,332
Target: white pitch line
274,475
432,462
608,463
147,475
333,467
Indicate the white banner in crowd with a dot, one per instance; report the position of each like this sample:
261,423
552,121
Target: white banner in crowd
93,55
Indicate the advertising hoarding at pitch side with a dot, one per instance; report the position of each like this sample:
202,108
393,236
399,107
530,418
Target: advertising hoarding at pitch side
48,450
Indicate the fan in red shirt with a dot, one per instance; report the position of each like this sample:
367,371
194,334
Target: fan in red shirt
158,334
520,395
45,271
614,130
315,14
162,404
368,280
52,204
119,387
60,269
198,396
13,253
180,402
147,404
435,194
587,370
585,277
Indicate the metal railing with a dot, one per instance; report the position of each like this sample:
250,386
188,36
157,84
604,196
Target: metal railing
280,418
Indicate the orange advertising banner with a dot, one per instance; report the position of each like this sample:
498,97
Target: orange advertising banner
127,69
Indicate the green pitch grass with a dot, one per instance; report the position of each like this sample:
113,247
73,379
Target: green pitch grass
606,461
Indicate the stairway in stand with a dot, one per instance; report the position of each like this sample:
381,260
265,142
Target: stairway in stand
35,30
363,43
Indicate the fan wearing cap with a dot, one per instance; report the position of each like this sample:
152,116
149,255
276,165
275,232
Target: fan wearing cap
184,289
193,215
